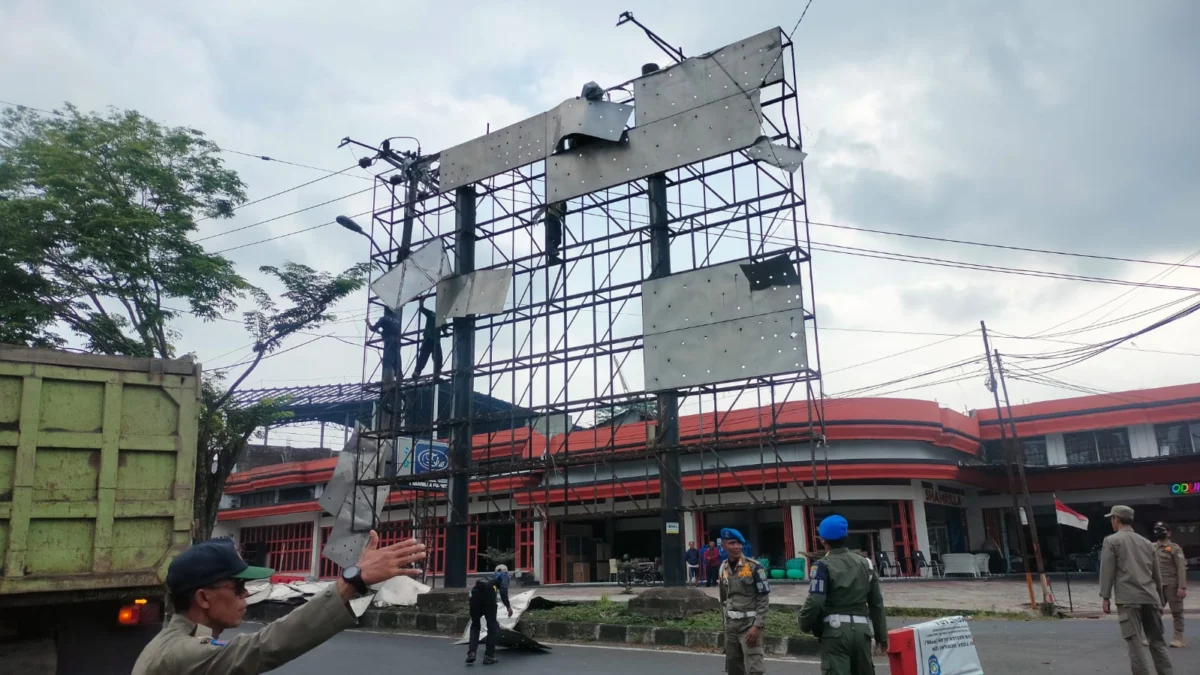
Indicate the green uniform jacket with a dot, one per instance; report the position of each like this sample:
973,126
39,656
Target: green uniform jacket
843,583
178,651
744,588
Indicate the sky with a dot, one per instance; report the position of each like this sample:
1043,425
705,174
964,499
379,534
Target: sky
1066,126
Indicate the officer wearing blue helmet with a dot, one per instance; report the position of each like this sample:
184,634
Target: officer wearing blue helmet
844,605
745,598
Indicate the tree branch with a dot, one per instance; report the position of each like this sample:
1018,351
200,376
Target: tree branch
236,383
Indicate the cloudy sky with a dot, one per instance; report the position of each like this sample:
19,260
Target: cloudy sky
1067,126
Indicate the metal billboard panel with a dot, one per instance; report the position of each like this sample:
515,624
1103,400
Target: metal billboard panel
530,140
710,295
736,69
479,292
417,274
707,326
692,136
770,344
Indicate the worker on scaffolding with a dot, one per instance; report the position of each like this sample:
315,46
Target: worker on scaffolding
431,343
483,607
388,327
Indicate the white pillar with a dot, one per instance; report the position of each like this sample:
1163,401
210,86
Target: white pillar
314,570
539,531
799,531
976,533
689,526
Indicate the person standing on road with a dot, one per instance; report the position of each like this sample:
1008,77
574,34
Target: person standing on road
844,606
207,584
745,599
691,557
712,563
1129,575
1172,567
483,607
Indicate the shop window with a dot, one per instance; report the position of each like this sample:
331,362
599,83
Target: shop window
1181,438
303,493
1090,447
251,499
289,547
1035,451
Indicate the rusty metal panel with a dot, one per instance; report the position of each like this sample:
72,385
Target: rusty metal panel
97,460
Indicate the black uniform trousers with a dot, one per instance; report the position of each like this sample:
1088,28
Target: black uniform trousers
483,607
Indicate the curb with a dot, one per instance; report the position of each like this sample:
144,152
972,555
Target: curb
563,631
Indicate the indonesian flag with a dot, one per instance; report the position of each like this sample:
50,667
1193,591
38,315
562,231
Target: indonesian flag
1069,517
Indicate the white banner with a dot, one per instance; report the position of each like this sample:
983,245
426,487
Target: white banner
946,647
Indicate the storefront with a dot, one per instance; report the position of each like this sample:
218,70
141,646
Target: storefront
946,518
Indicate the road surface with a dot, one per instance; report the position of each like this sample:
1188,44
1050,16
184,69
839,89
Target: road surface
1006,648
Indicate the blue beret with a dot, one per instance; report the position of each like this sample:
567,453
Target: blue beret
730,533
833,527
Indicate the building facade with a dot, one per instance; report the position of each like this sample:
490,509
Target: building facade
916,482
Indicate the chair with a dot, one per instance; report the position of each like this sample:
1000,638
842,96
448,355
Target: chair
919,562
960,563
984,562
885,566
613,569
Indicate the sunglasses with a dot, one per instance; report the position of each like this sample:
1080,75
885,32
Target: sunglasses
238,586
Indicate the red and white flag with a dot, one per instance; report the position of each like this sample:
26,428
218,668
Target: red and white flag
1069,517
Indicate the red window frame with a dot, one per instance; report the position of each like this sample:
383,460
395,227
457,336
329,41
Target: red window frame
289,546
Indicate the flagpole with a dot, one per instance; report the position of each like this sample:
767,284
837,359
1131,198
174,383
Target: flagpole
1063,542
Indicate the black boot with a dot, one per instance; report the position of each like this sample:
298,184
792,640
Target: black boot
489,660
470,658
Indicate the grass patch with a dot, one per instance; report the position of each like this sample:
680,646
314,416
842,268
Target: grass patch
781,621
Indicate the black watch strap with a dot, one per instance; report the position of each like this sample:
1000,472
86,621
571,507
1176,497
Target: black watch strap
353,576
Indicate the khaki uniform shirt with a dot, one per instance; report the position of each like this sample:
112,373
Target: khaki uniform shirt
1129,574
1172,565
744,588
178,651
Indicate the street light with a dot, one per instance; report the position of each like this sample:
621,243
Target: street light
349,224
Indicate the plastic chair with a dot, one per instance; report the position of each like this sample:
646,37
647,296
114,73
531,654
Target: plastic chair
919,561
613,569
885,566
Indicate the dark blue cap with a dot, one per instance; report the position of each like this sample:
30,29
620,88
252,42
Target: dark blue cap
730,533
208,562
833,528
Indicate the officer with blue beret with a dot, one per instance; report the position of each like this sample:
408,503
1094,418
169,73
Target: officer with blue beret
745,598
844,606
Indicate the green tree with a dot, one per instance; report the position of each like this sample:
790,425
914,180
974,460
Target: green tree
95,213
225,428
95,217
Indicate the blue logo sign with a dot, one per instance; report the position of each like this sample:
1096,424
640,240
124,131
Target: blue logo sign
935,668
431,456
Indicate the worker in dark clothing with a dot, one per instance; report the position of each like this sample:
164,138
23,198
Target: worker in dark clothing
483,606
844,605
388,327
431,343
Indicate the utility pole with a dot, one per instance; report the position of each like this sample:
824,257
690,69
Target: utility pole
1047,597
463,366
1008,465
670,481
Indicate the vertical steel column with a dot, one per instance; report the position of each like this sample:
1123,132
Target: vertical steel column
670,479
463,368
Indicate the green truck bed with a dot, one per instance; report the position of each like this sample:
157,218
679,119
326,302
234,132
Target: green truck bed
97,462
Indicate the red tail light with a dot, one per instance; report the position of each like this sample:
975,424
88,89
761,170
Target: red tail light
129,615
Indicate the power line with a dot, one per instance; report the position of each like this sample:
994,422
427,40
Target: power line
283,192
286,215
267,158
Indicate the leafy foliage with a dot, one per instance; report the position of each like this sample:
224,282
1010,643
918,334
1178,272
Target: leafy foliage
95,213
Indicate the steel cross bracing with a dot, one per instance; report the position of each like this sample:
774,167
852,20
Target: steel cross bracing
568,347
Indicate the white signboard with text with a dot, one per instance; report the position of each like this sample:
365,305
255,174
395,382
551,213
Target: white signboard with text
946,647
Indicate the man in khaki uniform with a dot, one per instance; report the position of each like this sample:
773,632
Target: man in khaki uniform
745,599
1172,566
1129,575
207,584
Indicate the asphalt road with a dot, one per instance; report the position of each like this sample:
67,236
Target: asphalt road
1005,648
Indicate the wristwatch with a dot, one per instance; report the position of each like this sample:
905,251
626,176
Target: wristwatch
353,576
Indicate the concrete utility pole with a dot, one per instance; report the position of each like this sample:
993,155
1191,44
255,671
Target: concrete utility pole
670,483
1012,455
463,366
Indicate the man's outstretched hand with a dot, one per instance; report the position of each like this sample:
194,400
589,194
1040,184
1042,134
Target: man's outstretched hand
380,564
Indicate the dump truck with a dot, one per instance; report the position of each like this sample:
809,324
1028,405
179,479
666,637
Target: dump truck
97,465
